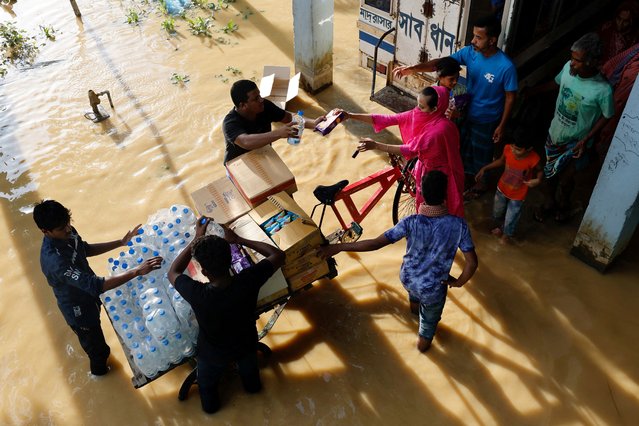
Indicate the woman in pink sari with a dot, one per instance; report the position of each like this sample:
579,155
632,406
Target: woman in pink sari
428,135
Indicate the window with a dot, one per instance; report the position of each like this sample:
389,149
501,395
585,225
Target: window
384,5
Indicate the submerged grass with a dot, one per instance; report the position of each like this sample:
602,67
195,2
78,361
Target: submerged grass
48,31
16,47
200,26
180,79
169,25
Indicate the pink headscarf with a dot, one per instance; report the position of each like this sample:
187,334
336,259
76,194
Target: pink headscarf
434,140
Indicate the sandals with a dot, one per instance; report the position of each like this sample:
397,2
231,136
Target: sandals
473,194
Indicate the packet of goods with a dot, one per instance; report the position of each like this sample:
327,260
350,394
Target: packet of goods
333,118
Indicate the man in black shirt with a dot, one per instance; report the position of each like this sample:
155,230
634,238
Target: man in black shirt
224,307
248,125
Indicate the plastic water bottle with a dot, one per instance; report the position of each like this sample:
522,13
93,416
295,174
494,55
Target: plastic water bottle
143,361
172,348
153,303
154,355
155,326
184,213
182,310
162,322
139,327
154,351
178,347
214,228
154,292
298,119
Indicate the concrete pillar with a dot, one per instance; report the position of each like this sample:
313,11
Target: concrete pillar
313,42
613,212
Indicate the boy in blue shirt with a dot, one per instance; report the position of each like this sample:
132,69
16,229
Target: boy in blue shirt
63,259
433,237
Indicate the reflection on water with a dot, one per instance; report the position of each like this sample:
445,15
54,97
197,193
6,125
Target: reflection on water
535,338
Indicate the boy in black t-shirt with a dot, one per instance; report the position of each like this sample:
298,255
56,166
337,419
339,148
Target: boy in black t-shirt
248,125
224,307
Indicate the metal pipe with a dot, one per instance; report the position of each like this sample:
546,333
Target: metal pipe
379,42
76,9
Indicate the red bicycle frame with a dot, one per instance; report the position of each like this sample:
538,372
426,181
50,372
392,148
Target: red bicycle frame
385,178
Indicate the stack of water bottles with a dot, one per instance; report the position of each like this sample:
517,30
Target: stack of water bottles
155,323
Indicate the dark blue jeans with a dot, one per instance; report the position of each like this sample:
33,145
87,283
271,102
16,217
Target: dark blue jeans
429,316
209,374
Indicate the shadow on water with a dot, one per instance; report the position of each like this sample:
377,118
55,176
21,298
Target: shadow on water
347,326
18,194
368,364
276,36
18,197
139,108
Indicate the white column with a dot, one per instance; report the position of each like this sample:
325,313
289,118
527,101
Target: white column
313,41
613,212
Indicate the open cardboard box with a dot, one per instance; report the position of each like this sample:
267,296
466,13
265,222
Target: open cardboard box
260,173
296,238
276,286
221,201
277,85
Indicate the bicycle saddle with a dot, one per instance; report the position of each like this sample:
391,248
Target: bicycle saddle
326,194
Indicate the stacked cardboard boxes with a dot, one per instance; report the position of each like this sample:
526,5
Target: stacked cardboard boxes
261,180
260,173
298,238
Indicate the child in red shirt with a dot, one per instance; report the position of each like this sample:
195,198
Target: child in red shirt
522,171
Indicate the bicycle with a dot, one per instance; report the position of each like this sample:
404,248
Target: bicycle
399,171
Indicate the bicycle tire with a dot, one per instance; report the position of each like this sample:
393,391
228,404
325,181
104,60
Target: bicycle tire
404,200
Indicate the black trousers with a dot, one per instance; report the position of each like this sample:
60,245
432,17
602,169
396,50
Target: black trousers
209,375
92,341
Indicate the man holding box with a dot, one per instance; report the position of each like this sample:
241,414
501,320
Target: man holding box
248,125
224,307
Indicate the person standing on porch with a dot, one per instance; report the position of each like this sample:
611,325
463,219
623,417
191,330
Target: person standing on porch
492,83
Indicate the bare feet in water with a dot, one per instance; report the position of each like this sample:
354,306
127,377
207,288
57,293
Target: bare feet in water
505,240
423,344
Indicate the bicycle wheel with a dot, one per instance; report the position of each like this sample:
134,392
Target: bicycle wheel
404,201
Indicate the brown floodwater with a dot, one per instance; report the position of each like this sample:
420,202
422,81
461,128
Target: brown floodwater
536,337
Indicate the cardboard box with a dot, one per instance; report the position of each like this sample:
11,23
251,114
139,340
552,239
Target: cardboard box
333,118
296,238
306,262
278,86
276,287
308,276
221,201
260,173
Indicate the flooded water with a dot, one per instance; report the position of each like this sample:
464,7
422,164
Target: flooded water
536,337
